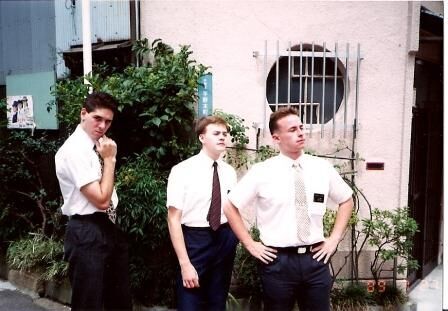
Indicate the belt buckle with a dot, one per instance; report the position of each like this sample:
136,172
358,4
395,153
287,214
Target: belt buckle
301,250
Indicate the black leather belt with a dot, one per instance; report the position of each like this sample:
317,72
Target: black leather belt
91,217
224,225
304,249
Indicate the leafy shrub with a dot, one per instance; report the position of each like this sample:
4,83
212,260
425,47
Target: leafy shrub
153,125
28,191
390,297
38,253
391,233
156,103
245,273
352,297
142,215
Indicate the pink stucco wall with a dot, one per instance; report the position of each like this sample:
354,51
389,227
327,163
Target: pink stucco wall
225,34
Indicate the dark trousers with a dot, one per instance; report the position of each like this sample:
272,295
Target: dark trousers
212,254
295,277
97,253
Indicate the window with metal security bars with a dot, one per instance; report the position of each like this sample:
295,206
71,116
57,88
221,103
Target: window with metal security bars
314,80
308,79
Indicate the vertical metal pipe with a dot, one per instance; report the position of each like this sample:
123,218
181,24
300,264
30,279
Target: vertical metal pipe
305,91
323,93
312,90
358,60
346,88
277,70
86,40
265,71
300,81
355,266
335,86
289,73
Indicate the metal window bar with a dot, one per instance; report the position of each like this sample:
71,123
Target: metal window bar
312,90
289,73
277,69
335,86
323,92
358,61
305,93
347,50
265,69
300,79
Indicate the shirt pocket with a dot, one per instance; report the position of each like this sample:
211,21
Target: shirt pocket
317,209
318,195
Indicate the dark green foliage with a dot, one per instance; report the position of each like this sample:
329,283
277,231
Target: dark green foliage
355,297
28,192
237,132
156,104
153,129
142,212
391,296
245,273
142,215
352,297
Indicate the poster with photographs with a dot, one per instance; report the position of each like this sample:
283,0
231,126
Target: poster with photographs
20,112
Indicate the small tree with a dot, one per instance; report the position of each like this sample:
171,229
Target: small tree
391,233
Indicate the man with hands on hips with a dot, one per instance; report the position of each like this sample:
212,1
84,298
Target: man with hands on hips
94,247
290,192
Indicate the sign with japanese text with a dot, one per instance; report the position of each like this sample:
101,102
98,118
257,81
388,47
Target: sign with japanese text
205,96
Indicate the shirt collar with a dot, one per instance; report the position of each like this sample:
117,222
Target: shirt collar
207,160
290,162
83,137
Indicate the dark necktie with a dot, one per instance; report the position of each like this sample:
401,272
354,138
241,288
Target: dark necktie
214,213
111,211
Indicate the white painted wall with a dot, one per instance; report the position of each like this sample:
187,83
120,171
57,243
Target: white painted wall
224,35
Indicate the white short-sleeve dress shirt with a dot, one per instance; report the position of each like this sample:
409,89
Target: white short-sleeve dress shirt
77,165
190,188
270,186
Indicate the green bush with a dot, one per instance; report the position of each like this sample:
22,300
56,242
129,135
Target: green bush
38,253
142,215
391,232
351,297
390,297
156,103
28,193
153,130
245,273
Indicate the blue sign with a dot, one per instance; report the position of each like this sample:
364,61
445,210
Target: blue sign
205,95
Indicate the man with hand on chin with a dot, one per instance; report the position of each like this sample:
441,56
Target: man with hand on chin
94,247
290,193
202,239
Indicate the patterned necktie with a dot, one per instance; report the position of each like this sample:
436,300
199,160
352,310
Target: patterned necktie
214,213
303,220
111,210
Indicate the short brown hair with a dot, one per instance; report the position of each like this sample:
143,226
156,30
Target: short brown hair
99,100
279,114
202,123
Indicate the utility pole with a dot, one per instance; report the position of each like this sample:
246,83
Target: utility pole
86,41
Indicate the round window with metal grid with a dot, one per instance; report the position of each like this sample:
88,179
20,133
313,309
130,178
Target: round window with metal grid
316,83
